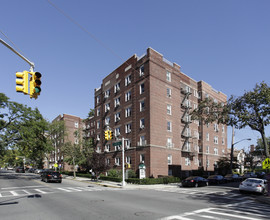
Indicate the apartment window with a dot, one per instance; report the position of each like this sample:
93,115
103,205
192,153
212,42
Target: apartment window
98,137
216,140
142,141
117,117
127,80
141,70
169,142
207,163
98,125
76,124
223,141
108,161
142,125
142,106
215,151
107,120
142,88
169,159
168,76
207,136
107,148
117,87
216,127
169,92
128,112
169,126
117,161
128,96
128,128
98,99
223,128
207,149
142,158
127,143
169,109
98,112
117,102
187,161
107,107
107,94
117,131
128,160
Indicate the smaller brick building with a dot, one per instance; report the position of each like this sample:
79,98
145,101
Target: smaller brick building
72,124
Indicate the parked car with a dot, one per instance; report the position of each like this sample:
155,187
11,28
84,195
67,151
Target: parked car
31,170
249,175
38,171
233,178
253,185
20,170
195,181
51,176
260,175
216,179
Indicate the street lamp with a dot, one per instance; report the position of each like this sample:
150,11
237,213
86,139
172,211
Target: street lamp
231,161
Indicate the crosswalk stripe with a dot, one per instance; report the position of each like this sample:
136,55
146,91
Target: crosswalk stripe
14,193
41,191
28,193
64,189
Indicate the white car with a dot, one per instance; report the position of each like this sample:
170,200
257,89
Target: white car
253,185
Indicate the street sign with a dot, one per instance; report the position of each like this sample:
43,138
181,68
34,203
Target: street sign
119,143
266,164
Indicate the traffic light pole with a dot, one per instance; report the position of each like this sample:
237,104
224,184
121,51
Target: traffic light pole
32,65
123,163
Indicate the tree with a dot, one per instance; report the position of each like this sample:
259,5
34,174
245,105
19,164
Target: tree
56,134
98,163
22,129
252,109
72,152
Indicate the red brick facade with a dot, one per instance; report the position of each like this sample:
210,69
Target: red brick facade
147,100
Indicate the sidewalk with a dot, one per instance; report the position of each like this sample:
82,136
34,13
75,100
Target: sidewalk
119,185
260,198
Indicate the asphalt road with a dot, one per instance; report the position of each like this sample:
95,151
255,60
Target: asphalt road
25,196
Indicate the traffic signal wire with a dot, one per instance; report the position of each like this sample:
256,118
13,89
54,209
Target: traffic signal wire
89,33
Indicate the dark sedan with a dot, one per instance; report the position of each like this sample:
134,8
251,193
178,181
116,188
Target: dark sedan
195,181
216,179
51,176
20,170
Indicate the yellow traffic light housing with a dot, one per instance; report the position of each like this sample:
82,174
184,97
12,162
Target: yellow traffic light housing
110,135
22,82
106,135
35,82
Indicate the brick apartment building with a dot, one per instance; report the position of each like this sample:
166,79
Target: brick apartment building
72,124
148,100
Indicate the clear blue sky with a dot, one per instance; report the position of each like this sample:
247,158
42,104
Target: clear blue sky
225,43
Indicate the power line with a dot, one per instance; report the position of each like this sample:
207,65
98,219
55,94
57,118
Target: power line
85,30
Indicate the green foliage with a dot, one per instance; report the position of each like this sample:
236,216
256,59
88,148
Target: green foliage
22,129
150,181
114,173
252,109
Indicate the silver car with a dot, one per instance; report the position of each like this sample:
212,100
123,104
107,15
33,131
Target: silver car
253,185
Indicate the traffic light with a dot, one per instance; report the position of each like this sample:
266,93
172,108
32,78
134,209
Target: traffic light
110,135
35,83
22,82
106,135
127,166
